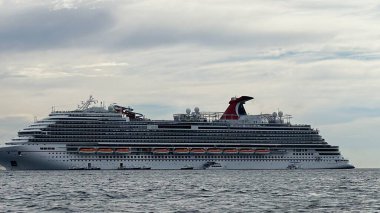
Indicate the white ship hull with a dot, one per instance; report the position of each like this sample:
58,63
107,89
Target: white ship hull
30,157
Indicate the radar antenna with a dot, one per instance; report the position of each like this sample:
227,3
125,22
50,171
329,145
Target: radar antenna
87,103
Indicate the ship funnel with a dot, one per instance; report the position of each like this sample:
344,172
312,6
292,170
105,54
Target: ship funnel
236,108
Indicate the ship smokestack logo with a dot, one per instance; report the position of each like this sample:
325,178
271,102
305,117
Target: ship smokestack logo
236,108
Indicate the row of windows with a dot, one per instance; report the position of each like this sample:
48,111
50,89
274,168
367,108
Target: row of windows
172,157
172,141
122,125
116,129
150,136
181,157
132,131
165,141
303,160
300,150
74,115
303,153
88,137
47,148
143,128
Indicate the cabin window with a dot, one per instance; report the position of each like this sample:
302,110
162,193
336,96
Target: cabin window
13,163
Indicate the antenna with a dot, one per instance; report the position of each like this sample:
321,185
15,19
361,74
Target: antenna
288,117
86,104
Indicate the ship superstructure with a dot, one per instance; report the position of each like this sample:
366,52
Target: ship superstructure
116,137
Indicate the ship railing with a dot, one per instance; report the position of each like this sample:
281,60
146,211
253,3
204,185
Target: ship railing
201,116
211,116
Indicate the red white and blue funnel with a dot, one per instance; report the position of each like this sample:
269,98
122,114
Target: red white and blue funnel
236,108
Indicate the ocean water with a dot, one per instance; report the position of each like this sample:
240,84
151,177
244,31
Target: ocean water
191,191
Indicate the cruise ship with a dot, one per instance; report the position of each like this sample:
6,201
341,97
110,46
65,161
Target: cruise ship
96,137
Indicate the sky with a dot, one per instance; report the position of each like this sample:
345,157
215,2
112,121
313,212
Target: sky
316,60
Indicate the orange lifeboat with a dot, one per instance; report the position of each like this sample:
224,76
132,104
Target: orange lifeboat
87,150
230,151
262,151
122,150
105,150
198,151
214,151
181,150
161,151
246,151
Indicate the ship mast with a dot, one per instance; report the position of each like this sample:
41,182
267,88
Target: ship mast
87,103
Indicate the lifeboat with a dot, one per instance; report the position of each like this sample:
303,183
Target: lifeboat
105,150
122,150
262,151
87,150
246,151
161,151
197,151
214,151
181,150
230,151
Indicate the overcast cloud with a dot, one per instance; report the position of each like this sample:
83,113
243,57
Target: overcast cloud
319,61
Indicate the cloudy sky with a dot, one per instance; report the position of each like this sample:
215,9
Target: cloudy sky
316,60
